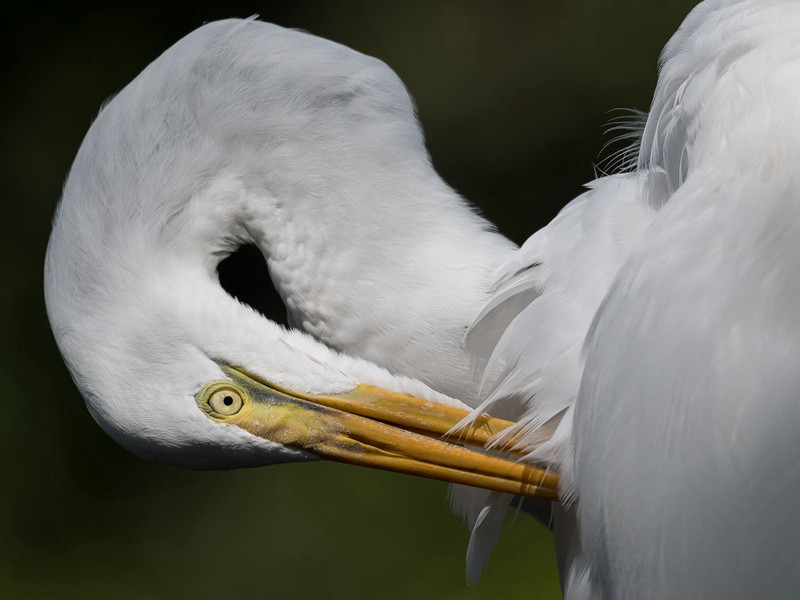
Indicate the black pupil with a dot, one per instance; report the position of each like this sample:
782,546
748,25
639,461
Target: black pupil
227,400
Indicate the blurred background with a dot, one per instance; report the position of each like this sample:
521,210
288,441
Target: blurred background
513,98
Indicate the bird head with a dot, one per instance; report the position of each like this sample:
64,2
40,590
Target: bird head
180,373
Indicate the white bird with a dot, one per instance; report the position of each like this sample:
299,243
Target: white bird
676,439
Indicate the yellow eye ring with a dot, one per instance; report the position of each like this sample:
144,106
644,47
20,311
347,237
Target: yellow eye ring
225,400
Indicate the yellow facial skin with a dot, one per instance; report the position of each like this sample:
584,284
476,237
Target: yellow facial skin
377,428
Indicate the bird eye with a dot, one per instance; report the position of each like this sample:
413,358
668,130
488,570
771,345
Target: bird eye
225,401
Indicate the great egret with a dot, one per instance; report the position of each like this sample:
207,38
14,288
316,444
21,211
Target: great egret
318,159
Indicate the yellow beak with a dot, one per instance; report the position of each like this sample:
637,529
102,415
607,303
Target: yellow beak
377,428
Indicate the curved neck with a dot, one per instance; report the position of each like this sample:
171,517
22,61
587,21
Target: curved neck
394,272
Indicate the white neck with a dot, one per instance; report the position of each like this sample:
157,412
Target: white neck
393,269
313,152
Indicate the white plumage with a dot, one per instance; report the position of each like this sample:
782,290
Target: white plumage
688,418
244,132
679,464
645,340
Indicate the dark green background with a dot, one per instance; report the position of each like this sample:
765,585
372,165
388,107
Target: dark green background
513,99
